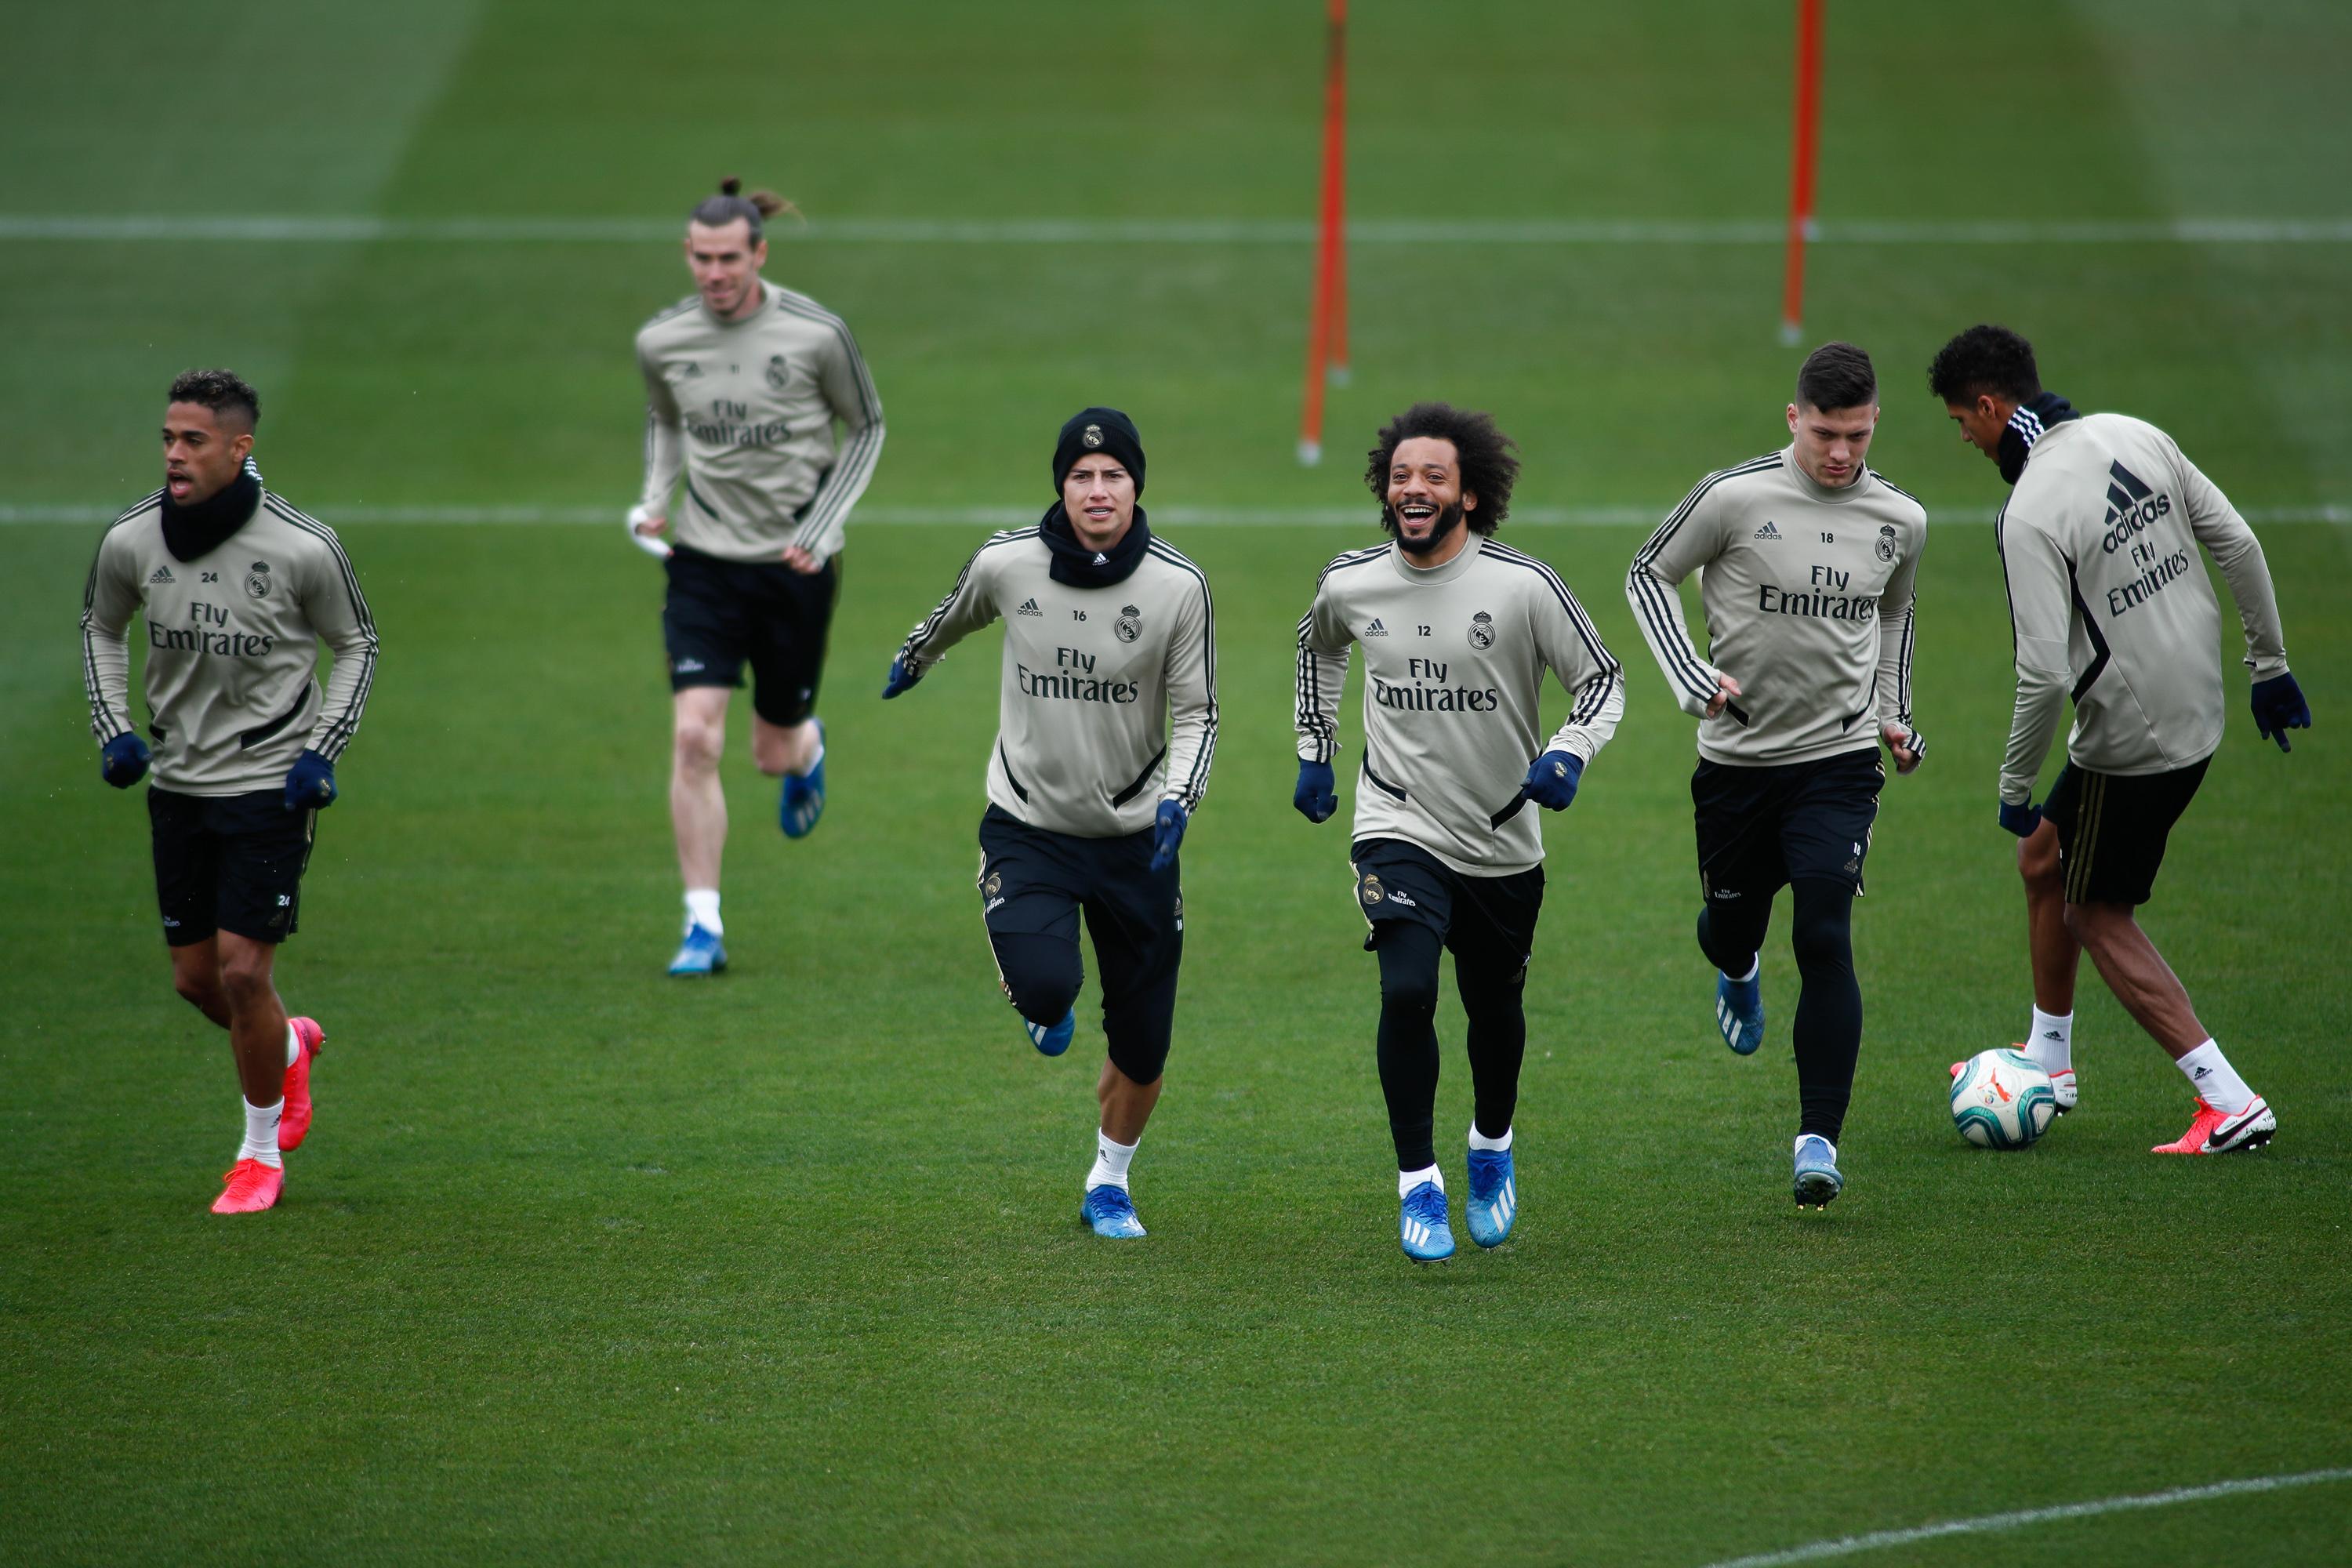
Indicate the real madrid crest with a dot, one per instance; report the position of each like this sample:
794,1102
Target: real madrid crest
779,372
990,889
1482,631
257,582
1129,625
1372,892
1886,543
1093,437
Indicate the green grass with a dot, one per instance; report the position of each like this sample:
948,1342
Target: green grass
581,1266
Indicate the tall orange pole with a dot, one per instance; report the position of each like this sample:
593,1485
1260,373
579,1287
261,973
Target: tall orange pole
1804,146
1326,329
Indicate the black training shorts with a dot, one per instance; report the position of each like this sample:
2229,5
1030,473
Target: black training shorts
1397,881
230,862
1760,829
719,616
2112,829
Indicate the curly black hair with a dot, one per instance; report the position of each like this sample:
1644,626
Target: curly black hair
218,390
1985,359
1484,452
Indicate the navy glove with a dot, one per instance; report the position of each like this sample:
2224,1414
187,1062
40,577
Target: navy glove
1317,794
2278,708
1551,779
311,782
2021,819
1166,832
123,760
902,679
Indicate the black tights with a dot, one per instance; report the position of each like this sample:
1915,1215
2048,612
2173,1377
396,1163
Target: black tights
1491,989
1827,1032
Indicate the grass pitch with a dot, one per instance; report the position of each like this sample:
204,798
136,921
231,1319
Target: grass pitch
583,1266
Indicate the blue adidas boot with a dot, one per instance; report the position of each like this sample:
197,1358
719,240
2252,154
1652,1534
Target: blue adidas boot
700,953
1817,1177
1052,1040
1110,1212
1421,1225
1494,1201
1740,1011
804,798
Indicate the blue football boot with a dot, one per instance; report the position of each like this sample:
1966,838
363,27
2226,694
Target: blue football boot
803,796
1052,1041
1494,1201
1110,1212
1817,1174
700,953
1421,1225
1740,1011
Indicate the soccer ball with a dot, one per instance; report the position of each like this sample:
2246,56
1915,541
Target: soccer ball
2002,1100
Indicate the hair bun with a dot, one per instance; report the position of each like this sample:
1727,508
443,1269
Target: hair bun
732,186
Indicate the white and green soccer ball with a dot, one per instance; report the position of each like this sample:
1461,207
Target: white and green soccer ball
2002,1100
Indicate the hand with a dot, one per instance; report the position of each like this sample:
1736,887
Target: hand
122,761
645,530
2021,818
1166,832
2279,706
1726,689
311,782
1317,794
802,561
903,677
1909,746
1552,778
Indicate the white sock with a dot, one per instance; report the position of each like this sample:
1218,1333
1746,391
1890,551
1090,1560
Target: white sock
261,1133
702,909
293,1045
1494,1145
2211,1074
1110,1161
815,757
2051,1044
1755,968
1800,1143
1407,1180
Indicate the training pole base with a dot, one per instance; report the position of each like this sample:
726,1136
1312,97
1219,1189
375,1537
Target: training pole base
1310,454
1792,333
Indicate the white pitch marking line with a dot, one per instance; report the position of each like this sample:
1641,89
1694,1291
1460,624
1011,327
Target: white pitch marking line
1876,1540
369,229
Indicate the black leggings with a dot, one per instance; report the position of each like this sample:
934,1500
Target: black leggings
1491,992
1827,1032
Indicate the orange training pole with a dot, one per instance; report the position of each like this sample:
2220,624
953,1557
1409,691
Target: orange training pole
1805,144
1326,330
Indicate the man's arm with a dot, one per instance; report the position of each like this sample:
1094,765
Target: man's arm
665,440
1323,643
108,601
1192,702
2041,614
1689,538
969,605
850,392
339,613
2238,554
1584,664
1897,608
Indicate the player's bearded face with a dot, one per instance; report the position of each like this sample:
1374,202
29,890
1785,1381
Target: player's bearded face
200,453
1425,499
725,263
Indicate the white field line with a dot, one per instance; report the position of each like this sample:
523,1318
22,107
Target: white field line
1879,1540
1023,516
327,229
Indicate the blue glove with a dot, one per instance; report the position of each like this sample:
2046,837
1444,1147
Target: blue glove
1317,794
902,679
2021,819
2278,708
311,782
123,760
1551,779
1166,833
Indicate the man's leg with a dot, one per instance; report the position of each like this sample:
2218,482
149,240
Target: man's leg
195,976
1407,1044
1029,905
1493,934
1827,1031
1136,916
698,814
1737,814
256,1024
780,749
787,656
2056,957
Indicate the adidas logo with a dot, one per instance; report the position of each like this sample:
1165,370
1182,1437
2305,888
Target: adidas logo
1767,530
1100,559
1376,629
1029,608
2204,1072
2131,505
163,575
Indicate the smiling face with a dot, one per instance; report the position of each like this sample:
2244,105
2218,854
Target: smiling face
1098,494
202,451
726,261
1831,442
1426,498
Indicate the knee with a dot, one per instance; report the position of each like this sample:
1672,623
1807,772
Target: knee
2090,924
245,978
199,988
1042,976
1822,934
697,745
2038,863
1411,989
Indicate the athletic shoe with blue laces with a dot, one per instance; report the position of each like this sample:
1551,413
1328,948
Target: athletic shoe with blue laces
1421,1225
700,953
1740,1011
803,796
1110,1212
1052,1041
1816,1179
1493,1197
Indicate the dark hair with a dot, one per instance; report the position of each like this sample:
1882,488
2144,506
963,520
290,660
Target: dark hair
730,203
1836,375
1489,468
218,390
1984,359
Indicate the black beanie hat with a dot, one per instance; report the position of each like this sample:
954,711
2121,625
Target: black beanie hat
1098,430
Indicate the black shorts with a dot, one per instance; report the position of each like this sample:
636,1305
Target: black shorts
1034,883
230,863
1396,880
1760,829
719,616
2112,828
